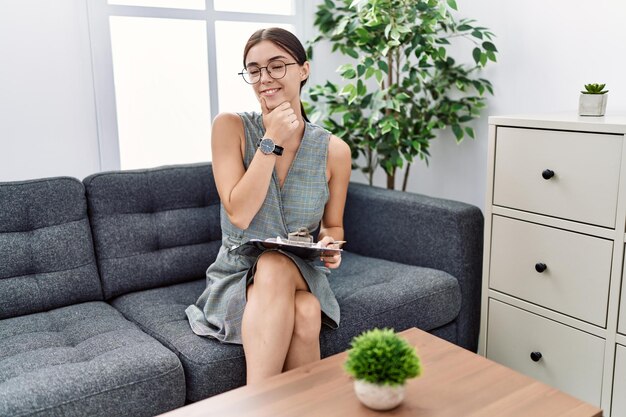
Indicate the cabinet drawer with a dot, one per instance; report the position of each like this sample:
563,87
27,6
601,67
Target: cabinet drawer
586,173
618,407
577,268
621,323
571,360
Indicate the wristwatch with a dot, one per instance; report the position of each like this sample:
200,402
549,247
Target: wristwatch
267,146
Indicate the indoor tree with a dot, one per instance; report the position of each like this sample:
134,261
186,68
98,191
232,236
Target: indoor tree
402,85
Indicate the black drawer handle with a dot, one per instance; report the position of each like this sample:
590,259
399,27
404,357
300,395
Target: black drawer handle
536,356
547,174
540,267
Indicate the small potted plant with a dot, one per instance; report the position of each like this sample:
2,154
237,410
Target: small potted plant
381,362
593,100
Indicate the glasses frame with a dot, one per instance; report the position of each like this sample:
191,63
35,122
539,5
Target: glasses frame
245,72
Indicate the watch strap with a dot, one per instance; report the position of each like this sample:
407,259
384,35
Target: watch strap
278,150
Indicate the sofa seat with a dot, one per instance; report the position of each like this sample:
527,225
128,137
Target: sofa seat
375,292
371,292
85,360
210,367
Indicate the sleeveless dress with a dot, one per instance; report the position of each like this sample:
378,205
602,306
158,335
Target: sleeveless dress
299,203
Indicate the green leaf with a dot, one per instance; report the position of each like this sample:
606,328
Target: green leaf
360,69
477,34
483,59
403,29
488,46
458,132
355,3
452,4
361,90
383,66
387,30
476,53
347,89
385,127
470,132
347,71
464,27
403,97
341,26
351,52
379,76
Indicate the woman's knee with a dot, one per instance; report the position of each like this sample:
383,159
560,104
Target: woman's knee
308,316
275,270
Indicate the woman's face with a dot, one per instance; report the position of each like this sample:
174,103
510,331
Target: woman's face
276,91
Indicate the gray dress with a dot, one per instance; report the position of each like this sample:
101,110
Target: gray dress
299,203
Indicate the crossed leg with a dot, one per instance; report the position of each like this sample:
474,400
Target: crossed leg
281,321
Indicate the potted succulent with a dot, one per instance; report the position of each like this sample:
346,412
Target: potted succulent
593,100
381,362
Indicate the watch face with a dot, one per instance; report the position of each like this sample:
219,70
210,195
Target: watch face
267,146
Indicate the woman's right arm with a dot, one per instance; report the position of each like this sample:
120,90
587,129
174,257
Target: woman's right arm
241,191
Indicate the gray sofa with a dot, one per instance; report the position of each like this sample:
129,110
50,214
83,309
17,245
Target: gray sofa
95,278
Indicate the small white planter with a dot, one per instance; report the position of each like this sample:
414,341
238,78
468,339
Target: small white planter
378,397
592,104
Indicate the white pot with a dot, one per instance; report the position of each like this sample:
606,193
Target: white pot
378,397
592,104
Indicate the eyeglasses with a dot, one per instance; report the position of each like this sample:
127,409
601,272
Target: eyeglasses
275,69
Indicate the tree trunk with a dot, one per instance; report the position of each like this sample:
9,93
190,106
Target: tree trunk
369,166
391,180
406,176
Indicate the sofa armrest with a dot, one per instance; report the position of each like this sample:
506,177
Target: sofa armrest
423,231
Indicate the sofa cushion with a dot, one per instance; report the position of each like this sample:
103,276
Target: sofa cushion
153,227
46,251
85,360
377,293
210,367
371,293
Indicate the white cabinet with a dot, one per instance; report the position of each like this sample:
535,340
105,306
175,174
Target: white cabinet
565,174
622,310
529,261
555,233
546,350
619,383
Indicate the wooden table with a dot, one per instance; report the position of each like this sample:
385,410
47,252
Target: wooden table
454,382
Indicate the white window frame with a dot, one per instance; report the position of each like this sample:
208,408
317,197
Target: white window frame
99,12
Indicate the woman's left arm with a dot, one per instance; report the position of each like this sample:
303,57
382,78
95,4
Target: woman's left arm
339,167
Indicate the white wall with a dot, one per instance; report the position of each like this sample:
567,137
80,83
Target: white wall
547,51
47,110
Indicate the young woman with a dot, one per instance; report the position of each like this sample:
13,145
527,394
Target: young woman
275,172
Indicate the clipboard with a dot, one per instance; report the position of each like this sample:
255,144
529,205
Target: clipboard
305,250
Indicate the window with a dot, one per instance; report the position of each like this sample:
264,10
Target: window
163,69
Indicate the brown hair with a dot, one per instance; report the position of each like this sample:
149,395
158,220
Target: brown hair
285,40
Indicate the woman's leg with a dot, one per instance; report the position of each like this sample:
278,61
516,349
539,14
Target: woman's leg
268,319
305,341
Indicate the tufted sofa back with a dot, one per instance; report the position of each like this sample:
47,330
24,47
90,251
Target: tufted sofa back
153,227
46,252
